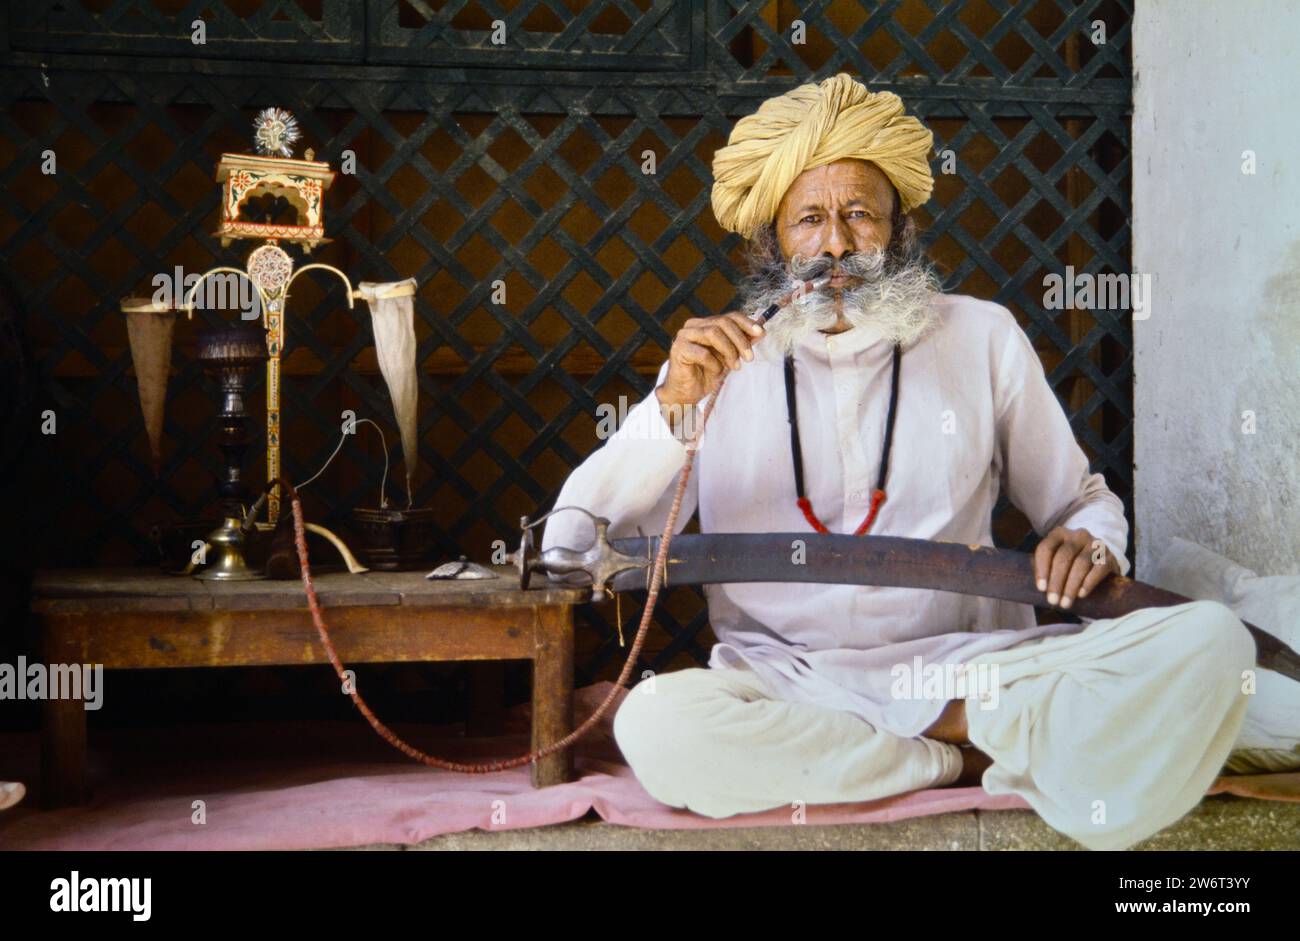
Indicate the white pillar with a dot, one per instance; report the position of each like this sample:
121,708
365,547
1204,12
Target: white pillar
1217,86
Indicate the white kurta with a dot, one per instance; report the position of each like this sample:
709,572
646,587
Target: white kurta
975,415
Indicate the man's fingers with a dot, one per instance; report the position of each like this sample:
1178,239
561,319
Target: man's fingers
739,336
1096,575
731,334
705,348
1062,559
715,336
1043,558
692,354
702,357
1069,563
1078,571
751,328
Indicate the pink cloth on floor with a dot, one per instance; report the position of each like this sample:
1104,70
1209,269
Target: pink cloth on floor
328,784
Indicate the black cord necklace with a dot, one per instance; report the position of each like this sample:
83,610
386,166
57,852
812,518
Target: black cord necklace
796,451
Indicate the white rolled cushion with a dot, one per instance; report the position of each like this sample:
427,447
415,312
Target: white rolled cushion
1270,737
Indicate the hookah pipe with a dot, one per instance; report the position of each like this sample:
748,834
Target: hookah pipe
656,581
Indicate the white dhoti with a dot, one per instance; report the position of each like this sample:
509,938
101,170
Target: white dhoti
1110,734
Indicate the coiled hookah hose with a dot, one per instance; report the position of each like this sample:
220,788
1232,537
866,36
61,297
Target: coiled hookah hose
656,582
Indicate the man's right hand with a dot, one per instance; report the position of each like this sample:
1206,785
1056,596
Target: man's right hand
704,349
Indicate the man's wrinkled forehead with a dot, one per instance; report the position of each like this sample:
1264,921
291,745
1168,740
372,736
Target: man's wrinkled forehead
839,185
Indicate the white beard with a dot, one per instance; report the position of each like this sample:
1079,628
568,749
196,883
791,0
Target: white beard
899,304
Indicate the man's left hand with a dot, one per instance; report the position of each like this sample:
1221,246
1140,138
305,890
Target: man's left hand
1069,563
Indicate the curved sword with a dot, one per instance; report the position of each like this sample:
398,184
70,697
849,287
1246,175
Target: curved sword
884,561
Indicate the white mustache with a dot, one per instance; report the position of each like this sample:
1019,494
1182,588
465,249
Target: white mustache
861,265
898,303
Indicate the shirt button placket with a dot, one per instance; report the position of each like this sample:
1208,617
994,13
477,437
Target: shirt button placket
854,496
846,413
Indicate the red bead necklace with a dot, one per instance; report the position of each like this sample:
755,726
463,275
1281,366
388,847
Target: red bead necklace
796,451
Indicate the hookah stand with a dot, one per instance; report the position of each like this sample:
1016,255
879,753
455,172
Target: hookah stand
271,171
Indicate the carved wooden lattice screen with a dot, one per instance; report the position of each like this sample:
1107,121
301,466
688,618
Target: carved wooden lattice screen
520,163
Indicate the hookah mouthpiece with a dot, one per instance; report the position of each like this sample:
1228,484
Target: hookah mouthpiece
804,287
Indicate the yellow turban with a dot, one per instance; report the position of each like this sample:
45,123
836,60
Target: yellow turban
813,125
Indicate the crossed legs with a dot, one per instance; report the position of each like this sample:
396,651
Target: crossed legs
1110,733
715,742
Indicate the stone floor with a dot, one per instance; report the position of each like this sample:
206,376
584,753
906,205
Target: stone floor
1219,823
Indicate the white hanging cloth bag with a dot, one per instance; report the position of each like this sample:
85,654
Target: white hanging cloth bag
392,314
149,332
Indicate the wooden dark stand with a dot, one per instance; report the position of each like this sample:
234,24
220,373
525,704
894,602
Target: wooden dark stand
140,619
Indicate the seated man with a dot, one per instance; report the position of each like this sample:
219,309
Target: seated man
910,411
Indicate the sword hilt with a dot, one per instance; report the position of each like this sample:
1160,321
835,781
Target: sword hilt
600,561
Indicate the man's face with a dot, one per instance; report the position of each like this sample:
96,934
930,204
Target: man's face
837,209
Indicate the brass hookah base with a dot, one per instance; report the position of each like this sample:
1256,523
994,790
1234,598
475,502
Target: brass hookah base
230,354
225,555
227,548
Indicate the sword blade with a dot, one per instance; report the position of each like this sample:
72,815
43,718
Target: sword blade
890,561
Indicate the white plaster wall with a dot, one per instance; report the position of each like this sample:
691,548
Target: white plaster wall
1214,78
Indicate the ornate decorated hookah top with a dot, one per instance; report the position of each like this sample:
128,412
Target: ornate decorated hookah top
273,171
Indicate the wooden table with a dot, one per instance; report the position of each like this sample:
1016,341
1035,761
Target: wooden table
141,619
